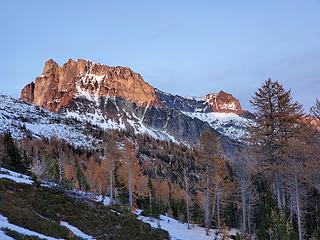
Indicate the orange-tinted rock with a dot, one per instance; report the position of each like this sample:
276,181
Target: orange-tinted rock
223,102
312,121
57,86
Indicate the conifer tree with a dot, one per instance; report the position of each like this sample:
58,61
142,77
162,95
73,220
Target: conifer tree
315,110
276,123
11,157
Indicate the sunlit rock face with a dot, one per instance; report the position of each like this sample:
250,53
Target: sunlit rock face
57,86
223,102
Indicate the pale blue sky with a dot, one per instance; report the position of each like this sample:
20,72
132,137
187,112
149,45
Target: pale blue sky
182,47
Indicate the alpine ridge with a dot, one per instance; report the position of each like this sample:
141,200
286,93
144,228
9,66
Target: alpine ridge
57,86
119,98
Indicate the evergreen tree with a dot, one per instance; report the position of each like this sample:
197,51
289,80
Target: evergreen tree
315,110
82,182
11,158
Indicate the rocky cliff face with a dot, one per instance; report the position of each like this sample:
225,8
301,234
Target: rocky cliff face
57,86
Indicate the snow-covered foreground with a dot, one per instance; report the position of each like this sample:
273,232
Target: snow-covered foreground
178,230
4,224
14,176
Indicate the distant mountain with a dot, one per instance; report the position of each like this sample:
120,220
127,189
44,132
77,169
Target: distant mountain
118,98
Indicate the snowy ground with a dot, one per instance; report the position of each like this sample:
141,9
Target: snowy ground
76,231
179,230
176,229
14,176
21,178
4,224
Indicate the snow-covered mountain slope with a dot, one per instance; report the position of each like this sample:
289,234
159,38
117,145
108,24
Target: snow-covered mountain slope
21,120
230,121
113,113
228,124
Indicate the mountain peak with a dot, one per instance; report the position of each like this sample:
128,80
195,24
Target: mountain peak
57,86
223,102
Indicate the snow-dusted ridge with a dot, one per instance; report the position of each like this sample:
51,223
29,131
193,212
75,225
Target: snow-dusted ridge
22,119
228,124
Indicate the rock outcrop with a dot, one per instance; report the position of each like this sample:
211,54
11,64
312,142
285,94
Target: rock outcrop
223,102
57,86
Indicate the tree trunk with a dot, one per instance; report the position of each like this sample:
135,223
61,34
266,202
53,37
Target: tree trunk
207,203
130,187
150,202
186,180
243,201
291,206
249,216
111,181
213,206
298,207
218,206
60,173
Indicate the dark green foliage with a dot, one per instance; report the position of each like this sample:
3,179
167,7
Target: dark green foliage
280,227
122,194
196,212
231,215
156,209
18,236
83,184
40,210
53,168
149,204
270,223
264,209
312,217
11,158
179,209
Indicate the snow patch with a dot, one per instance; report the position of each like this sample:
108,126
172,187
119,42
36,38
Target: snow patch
178,230
14,176
76,231
4,223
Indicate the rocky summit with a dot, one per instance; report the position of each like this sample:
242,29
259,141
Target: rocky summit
57,86
223,102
